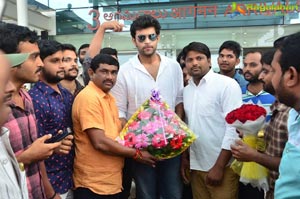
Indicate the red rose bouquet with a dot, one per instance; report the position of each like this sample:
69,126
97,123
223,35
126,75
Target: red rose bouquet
249,119
156,128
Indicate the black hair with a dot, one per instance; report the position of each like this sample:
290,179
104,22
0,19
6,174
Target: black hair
48,47
277,43
8,40
68,47
267,57
231,45
179,56
103,59
198,47
109,51
81,47
290,51
143,22
12,35
23,33
254,51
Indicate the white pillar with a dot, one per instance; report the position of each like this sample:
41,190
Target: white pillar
22,12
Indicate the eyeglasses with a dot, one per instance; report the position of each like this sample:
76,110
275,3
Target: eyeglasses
69,59
142,38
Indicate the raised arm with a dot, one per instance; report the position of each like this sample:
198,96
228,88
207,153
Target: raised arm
96,42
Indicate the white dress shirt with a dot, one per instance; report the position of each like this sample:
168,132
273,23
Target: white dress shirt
134,85
206,106
12,179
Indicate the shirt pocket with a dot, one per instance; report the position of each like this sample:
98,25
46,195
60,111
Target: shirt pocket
207,107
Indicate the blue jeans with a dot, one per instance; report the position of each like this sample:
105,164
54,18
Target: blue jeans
162,182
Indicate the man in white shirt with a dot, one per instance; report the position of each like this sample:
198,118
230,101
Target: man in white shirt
137,77
207,100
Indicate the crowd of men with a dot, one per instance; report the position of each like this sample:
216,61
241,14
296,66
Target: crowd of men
57,140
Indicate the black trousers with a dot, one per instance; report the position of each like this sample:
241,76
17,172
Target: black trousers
84,193
249,192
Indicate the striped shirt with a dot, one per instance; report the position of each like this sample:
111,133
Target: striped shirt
263,99
23,131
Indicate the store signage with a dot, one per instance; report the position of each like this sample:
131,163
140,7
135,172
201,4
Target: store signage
263,8
234,9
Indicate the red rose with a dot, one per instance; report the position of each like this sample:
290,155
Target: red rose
245,112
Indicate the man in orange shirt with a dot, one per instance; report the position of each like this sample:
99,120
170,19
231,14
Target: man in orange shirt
99,158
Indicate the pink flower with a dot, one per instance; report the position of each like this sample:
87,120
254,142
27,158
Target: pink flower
133,126
159,141
160,122
151,127
170,129
144,115
181,133
130,139
141,141
169,113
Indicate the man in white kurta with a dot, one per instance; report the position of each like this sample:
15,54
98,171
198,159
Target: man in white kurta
207,100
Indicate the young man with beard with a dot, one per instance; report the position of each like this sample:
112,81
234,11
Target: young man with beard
29,149
52,104
286,82
275,132
229,53
253,93
12,175
146,71
71,70
208,98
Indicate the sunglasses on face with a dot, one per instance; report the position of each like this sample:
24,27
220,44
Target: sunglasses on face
142,38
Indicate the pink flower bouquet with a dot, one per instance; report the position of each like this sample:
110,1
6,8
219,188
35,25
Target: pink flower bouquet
249,119
156,128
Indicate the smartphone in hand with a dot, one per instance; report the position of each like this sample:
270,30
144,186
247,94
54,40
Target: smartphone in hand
61,134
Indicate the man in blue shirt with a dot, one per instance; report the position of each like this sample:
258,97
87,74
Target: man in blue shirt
253,92
286,82
53,104
229,53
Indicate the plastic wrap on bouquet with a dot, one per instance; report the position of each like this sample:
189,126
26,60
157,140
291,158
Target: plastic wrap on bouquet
249,172
156,128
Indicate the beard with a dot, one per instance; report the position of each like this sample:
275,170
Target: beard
148,53
253,78
285,96
69,76
269,88
50,78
